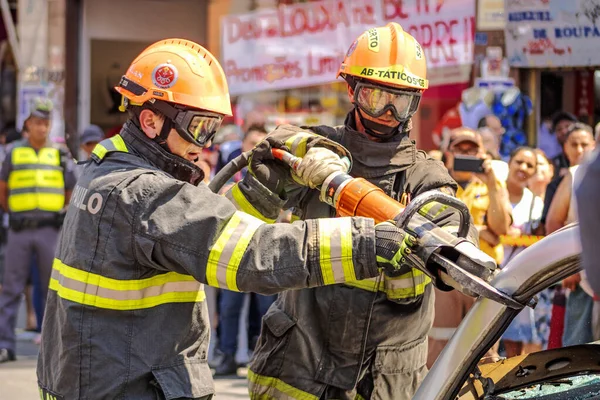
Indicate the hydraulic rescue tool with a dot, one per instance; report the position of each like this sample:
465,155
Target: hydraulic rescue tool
450,261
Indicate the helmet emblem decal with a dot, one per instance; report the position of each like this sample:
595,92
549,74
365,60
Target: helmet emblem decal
164,76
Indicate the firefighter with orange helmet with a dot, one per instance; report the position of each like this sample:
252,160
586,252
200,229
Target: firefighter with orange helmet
364,339
125,313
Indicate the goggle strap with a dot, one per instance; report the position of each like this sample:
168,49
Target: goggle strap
131,86
166,128
164,108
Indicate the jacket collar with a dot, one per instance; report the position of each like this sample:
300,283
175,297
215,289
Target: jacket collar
372,159
139,144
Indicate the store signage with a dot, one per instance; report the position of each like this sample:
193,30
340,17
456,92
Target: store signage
304,44
552,33
490,15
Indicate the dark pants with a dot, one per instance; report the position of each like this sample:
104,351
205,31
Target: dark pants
17,261
39,300
230,311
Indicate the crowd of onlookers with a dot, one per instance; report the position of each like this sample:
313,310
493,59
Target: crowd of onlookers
528,194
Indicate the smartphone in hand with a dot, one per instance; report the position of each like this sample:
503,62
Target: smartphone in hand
468,163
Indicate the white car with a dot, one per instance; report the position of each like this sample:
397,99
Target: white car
566,373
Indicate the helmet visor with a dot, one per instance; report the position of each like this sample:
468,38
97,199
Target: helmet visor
198,127
376,101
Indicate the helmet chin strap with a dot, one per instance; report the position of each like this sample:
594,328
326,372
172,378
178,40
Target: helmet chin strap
382,133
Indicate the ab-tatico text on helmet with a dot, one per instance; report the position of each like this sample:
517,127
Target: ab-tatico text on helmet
183,81
387,70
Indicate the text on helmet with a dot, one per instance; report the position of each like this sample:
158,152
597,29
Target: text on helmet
393,74
373,39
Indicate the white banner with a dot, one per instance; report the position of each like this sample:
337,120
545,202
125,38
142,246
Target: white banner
304,44
552,33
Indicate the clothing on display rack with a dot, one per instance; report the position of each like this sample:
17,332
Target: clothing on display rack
512,107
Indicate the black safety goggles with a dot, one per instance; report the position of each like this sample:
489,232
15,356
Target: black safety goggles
196,126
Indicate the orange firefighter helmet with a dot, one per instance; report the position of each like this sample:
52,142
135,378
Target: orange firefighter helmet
387,55
183,81
178,71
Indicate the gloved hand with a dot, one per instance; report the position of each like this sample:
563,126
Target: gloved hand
267,170
316,165
392,245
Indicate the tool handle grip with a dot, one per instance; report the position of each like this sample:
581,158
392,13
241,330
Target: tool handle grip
286,157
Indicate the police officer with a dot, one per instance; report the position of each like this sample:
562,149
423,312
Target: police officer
364,339
36,180
125,315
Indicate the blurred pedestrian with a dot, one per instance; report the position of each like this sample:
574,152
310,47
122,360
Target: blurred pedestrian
526,212
560,125
483,193
577,140
90,137
543,175
36,180
579,297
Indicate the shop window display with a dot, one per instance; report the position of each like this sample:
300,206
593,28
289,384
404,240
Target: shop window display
315,105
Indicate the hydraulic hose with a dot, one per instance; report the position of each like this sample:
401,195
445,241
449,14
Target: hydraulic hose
228,171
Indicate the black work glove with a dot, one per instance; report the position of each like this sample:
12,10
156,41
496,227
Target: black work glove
272,173
392,246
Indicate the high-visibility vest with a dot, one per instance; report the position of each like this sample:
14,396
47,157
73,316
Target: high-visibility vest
36,180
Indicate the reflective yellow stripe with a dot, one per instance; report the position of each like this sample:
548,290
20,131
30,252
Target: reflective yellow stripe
371,284
335,250
29,178
297,143
266,388
115,143
100,150
240,201
98,291
36,180
432,209
227,252
31,201
346,250
409,285
119,143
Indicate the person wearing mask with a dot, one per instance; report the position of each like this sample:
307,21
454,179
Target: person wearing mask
365,339
125,314
36,180
90,137
526,212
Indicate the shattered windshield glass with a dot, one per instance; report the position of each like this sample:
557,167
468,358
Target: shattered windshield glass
573,388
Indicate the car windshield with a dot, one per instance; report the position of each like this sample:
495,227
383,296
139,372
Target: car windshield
572,388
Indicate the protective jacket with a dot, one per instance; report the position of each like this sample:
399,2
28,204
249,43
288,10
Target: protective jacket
364,338
125,316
